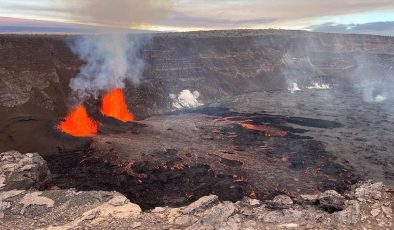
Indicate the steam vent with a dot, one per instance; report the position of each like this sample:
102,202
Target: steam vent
222,129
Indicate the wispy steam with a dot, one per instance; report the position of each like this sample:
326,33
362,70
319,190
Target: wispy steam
373,77
111,56
341,63
110,60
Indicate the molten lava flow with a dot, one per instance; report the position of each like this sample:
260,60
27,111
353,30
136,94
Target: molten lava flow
267,130
78,123
114,105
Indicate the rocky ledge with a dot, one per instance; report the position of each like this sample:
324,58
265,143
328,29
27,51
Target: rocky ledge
367,205
22,171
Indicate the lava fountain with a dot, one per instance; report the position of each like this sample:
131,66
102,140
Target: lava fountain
114,105
78,123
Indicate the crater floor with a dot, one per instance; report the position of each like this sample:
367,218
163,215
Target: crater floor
259,144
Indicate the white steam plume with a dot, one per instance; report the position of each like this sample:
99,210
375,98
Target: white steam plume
111,56
110,60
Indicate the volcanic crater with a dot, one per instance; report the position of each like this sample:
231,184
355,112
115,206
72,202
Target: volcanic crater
250,135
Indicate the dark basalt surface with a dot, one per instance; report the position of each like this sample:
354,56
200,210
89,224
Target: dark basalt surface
149,186
154,163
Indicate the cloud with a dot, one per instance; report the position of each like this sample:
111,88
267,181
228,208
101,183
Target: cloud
17,22
44,29
15,25
179,14
378,28
281,11
182,20
120,13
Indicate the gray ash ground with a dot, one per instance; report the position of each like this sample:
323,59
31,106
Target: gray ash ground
260,145
364,141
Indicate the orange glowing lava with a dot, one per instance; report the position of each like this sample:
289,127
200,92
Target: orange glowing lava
114,105
78,123
267,130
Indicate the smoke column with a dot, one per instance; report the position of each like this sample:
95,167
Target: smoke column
111,55
110,60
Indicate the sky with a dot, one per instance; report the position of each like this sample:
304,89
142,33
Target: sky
344,16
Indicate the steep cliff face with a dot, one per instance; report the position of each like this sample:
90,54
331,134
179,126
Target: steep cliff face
225,63
35,71
34,75
217,64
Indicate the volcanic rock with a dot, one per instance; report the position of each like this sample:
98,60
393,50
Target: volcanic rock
253,202
68,209
387,211
200,204
136,225
280,202
65,209
35,199
331,201
351,214
9,194
375,212
216,216
284,216
118,207
309,199
185,221
22,171
158,210
369,191
118,201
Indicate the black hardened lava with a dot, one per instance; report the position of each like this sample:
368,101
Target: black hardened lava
166,179
301,150
265,118
149,186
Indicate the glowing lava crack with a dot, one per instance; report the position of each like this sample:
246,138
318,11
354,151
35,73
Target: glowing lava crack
114,105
